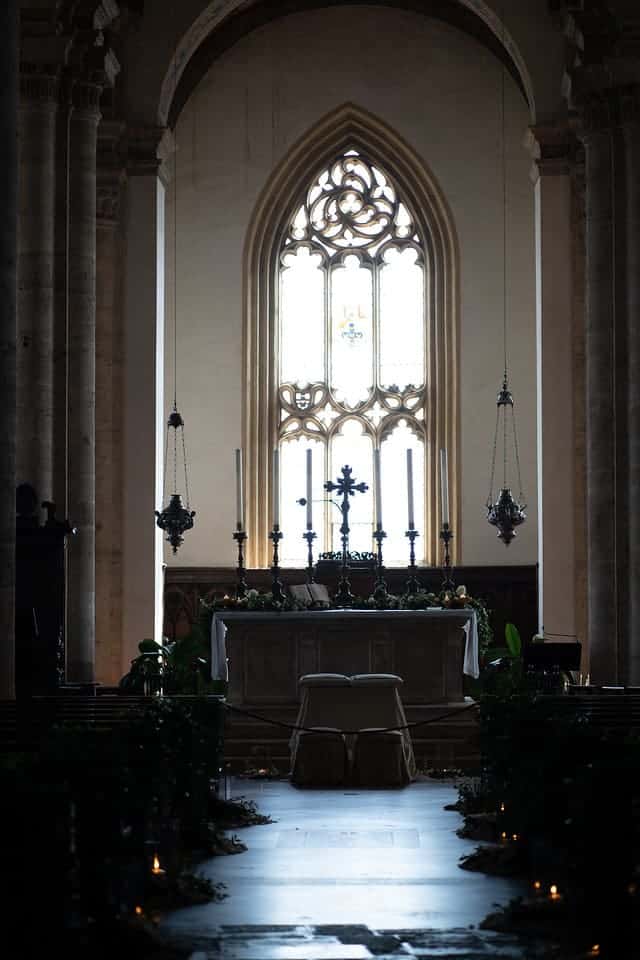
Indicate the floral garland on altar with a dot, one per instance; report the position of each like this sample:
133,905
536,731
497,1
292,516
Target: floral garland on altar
420,600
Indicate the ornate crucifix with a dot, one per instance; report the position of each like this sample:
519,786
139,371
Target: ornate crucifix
345,487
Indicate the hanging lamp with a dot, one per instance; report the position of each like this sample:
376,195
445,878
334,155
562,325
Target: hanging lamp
503,510
177,517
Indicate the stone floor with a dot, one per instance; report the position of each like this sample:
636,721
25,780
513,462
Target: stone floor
345,875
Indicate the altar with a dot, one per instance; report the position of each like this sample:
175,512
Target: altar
267,652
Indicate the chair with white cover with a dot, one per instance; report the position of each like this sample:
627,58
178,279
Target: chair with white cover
319,758
380,757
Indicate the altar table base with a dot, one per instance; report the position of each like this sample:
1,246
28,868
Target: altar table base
268,652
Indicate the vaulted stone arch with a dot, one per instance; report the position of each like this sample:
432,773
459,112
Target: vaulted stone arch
221,24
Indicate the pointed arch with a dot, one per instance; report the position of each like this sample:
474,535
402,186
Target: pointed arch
348,127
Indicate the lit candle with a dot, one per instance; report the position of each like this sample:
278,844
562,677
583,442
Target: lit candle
410,487
309,476
444,486
276,488
156,868
377,484
239,492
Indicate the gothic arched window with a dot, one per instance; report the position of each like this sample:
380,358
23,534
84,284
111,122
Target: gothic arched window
350,340
351,300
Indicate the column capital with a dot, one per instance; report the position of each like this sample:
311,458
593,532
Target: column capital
93,66
37,87
85,96
552,149
148,149
42,61
108,194
608,109
105,13
110,171
597,114
628,105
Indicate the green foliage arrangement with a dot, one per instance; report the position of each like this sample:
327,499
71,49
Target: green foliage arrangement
91,806
564,794
421,600
181,666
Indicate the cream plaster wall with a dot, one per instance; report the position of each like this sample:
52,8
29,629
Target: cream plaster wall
441,92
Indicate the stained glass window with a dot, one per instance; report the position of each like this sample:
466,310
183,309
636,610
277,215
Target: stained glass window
351,317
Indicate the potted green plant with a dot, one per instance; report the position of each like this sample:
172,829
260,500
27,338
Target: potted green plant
181,666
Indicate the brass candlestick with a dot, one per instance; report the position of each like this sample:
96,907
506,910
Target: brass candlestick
240,537
380,590
309,536
412,584
277,587
446,535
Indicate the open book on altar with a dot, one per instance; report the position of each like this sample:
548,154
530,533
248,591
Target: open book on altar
311,594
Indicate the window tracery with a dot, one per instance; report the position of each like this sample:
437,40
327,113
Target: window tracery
351,307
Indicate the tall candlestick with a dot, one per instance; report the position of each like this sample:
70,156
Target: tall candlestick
276,487
377,484
444,486
309,490
239,492
410,487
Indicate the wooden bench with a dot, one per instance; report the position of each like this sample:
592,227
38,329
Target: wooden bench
24,723
611,710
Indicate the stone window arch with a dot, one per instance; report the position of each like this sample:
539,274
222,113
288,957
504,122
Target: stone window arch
351,206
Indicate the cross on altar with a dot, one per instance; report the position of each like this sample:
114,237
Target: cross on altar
346,487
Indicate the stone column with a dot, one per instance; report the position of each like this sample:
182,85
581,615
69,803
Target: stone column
109,399
8,302
39,94
630,103
144,414
600,393
82,383
61,297
551,175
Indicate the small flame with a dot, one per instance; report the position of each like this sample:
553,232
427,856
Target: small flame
536,884
139,911
156,866
502,808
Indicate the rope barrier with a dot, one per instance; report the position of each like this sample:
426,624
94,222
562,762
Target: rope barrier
405,726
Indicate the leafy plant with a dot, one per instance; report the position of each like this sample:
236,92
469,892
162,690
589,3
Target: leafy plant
420,600
181,666
512,649
512,637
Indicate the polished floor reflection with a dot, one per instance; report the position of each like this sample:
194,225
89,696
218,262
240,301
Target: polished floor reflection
377,863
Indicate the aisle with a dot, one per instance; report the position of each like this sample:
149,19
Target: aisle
366,862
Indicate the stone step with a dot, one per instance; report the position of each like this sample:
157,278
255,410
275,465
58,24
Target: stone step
251,741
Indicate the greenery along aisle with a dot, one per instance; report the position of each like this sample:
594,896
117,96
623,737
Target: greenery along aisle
116,821
559,796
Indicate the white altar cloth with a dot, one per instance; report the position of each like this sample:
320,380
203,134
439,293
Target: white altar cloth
219,664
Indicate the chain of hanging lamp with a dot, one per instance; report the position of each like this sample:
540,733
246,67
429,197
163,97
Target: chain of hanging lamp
176,518
505,512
